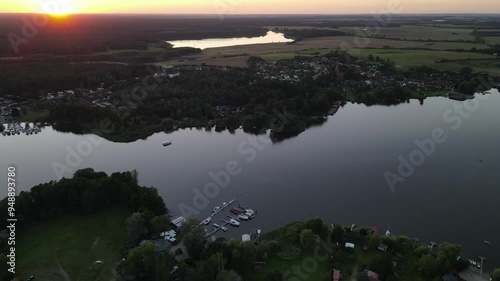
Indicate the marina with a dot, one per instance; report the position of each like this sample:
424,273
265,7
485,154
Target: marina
241,214
12,129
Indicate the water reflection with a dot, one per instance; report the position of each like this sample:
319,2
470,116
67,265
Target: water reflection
270,37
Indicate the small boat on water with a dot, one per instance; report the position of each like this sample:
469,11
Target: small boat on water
206,221
487,242
234,222
236,211
216,225
224,228
243,217
216,209
167,143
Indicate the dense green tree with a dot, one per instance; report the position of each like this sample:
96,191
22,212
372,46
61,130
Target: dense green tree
228,275
495,276
293,233
421,250
308,240
273,247
89,202
338,234
136,227
247,255
194,238
317,226
429,265
160,223
450,251
274,276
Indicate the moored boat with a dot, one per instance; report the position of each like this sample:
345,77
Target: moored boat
206,221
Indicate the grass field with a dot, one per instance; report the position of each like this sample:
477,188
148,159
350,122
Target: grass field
67,248
322,270
417,57
404,58
414,32
492,40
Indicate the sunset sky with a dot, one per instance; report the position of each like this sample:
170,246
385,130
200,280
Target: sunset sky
249,6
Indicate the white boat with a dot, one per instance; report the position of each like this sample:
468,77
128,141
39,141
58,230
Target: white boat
216,209
167,143
243,217
216,225
224,228
487,242
250,214
234,222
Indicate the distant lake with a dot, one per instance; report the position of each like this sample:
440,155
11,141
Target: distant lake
334,171
270,37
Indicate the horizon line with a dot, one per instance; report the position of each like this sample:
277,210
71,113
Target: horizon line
263,14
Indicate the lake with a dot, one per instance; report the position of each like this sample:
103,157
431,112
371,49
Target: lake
334,171
270,37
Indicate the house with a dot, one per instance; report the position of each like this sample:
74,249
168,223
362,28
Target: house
178,222
383,247
336,275
349,245
372,276
245,237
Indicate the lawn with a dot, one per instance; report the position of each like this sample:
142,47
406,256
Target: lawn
320,270
414,32
67,248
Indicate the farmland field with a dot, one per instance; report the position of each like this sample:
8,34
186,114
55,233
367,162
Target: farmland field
414,32
417,57
492,40
237,55
68,248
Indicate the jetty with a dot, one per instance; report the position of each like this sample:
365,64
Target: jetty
216,211
217,229
222,207
335,108
459,96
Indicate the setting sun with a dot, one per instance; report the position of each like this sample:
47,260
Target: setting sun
57,9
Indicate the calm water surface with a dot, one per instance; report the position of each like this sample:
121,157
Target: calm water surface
335,171
270,37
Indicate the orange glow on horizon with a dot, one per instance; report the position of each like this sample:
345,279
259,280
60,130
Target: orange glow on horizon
67,7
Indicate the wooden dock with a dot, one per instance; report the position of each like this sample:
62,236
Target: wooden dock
334,108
